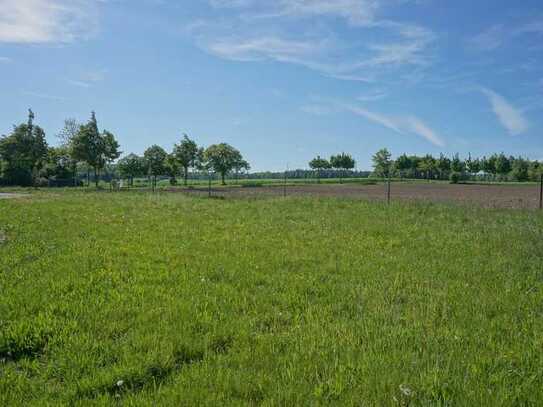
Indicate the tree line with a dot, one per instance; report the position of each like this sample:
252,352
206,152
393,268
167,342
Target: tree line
497,167
27,160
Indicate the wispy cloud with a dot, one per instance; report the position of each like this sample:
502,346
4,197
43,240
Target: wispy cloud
401,124
417,126
372,96
43,21
260,30
499,35
5,60
357,12
44,96
255,49
510,117
88,79
317,109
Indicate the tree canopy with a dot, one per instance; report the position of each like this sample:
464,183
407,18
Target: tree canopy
186,153
223,158
94,148
382,163
23,153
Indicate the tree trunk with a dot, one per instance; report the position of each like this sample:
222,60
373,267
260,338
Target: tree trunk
222,178
186,175
96,176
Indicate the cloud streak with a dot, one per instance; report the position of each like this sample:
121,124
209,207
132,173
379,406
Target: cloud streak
257,30
46,21
403,125
510,117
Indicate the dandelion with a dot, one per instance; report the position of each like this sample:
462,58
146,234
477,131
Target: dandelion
406,391
120,383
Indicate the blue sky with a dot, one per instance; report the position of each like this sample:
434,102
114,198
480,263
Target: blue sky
282,80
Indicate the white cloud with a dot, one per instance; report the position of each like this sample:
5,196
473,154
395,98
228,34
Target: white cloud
372,96
259,30
5,60
44,96
254,49
357,12
401,125
499,35
510,117
383,120
44,21
489,39
417,126
317,110
79,84
88,79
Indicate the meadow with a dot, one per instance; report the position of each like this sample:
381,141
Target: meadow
144,299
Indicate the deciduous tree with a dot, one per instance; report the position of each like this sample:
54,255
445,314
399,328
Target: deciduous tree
94,148
382,164
185,152
319,164
131,166
342,162
222,158
155,162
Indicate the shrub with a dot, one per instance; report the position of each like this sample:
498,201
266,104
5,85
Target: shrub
41,182
455,177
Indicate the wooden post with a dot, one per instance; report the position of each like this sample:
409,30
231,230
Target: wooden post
388,190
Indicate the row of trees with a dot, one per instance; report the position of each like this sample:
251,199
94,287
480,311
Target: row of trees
186,156
26,159
495,167
340,162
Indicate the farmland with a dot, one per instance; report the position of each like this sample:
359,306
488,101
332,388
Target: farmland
175,299
517,196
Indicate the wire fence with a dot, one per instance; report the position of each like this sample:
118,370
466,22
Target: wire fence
387,190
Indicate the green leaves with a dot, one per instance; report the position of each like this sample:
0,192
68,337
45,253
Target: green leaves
223,158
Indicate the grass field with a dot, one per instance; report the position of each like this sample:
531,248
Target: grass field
168,299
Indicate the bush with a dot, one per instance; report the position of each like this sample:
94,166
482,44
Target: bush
455,177
41,182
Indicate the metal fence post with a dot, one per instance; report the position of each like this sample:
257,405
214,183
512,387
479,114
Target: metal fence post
541,192
388,190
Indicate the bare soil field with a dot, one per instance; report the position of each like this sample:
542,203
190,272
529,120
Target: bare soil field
489,196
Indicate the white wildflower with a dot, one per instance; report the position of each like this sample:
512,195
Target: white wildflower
406,391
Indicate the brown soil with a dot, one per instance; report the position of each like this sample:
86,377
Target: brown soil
490,196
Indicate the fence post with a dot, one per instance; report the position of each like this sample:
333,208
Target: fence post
285,185
388,190
209,184
541,192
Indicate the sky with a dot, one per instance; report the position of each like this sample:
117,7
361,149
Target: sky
283,80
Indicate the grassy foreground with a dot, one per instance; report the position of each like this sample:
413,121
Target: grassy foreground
169,300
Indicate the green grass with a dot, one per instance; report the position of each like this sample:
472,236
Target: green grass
165,299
